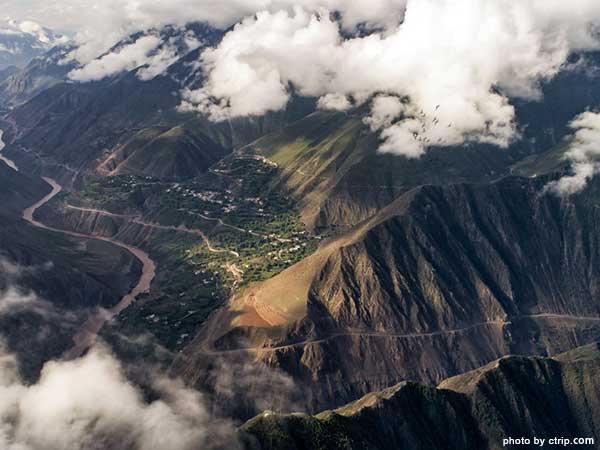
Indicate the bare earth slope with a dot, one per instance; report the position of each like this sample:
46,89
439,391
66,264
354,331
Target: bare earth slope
443,280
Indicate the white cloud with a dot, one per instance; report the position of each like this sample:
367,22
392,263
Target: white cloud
88,403
14,301
467,56
336,102
152,53
457,61
384,110
42,34
158,63
98,25
128,57
583,152
399,128
133,15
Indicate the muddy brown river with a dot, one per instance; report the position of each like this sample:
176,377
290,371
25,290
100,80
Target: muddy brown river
85,337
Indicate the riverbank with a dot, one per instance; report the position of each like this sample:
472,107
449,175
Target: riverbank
10,163
85,337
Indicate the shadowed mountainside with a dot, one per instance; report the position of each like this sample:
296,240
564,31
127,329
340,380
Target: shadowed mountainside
48,282
429,267
329,161
443,280
122,124
512,397
20,85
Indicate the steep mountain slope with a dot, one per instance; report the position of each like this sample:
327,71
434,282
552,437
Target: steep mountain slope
72,127
183,151
330,165
38,75
514,397
48,283
7,72
443,280
503,244
17,191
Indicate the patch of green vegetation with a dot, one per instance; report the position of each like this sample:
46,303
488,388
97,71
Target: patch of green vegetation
181,298
542,163
114,194
235,229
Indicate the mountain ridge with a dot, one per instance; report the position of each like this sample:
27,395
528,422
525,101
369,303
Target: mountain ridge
20,42
426,273
514,397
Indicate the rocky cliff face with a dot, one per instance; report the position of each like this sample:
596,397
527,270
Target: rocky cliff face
513,397
463,273
464,254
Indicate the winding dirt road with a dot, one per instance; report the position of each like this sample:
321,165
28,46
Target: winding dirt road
137,220
208,350
232,268
233,227
88,332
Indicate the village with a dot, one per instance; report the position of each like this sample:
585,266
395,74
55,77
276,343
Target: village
229,228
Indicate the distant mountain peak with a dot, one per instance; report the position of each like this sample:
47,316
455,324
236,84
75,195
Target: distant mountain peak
20,42
43,34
